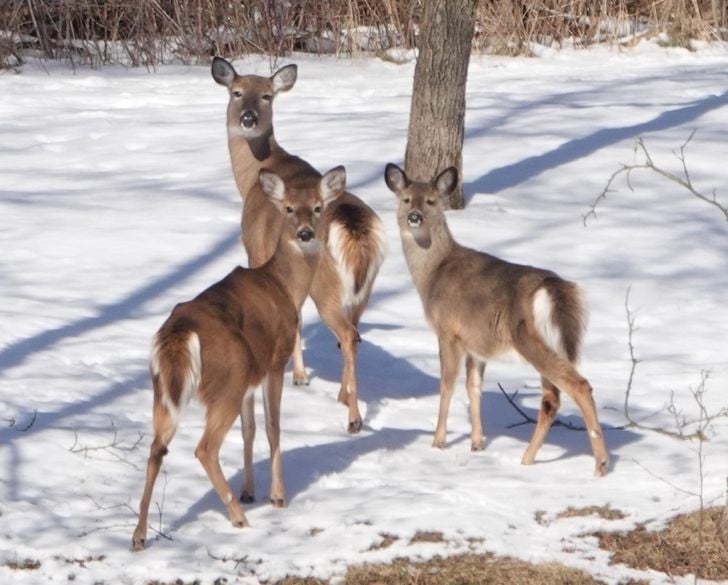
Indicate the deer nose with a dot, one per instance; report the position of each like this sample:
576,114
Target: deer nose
414,218
305,234
249,119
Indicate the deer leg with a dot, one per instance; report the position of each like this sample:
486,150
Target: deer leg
247,418
220,417
349,339
550,403
451,355
164,428
581,391
329,304
474,382
273,392
300,377
348,394
565,377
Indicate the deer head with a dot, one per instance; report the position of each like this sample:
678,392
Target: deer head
421,205
250,112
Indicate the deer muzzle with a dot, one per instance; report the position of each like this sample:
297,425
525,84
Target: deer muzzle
305,234
414,219
248,119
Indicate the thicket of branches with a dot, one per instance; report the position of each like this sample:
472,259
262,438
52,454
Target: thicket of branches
151,32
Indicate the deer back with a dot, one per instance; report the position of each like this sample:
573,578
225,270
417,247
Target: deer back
470,295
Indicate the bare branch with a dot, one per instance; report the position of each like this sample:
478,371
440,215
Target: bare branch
681,423
113,448
11,423
685,181
668,482
528,419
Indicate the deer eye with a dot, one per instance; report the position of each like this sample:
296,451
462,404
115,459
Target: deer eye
406,200
237,94
430,202
267,97
289,209
317,209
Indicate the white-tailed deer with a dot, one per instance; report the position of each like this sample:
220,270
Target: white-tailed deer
234,336
481,306
355,239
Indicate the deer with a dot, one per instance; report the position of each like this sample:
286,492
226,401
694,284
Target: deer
355,242
234,336
481,306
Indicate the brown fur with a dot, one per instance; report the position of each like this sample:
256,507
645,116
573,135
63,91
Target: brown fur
361,246
246,326
481,306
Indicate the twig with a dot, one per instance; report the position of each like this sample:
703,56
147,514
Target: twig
111,448
681,425
11,423
528,419
685,181
662,479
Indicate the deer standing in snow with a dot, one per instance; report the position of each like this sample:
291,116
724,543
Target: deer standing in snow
234,336
481,306
354,235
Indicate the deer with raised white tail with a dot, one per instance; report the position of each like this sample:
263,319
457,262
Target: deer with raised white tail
481,306
234,336
354,235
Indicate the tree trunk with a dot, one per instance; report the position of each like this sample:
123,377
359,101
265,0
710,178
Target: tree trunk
437,114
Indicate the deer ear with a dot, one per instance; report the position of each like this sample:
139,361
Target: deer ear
222,71
395,178
272,185
446,181
284,78
332,184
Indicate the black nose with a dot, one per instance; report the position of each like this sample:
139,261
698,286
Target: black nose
414,218
305,235
249,118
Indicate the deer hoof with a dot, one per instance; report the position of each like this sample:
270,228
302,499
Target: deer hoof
278,502
438,444
137,544
601,469
247,498
478,445
301,380
241,523
354,427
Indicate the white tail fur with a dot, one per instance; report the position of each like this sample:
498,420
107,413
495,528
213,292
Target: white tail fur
543,314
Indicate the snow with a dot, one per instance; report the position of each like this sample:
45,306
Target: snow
117,201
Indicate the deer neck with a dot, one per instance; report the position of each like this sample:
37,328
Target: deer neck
422,259
293,268
248,156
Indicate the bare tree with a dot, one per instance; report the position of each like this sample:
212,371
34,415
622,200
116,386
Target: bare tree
437,115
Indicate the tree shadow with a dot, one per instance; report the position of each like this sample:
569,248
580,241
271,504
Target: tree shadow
523,170
302,467
130,305
380,374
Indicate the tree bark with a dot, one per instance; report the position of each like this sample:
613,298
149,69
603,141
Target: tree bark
437,114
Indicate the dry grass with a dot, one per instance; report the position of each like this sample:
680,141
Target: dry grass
427,537
675,550
151,32
387,541
24,565
466,570
462,570
605,512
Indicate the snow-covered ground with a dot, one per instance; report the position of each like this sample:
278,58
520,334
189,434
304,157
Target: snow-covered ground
117,201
